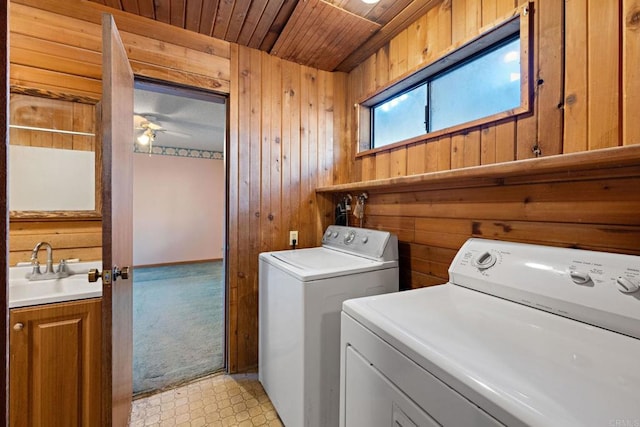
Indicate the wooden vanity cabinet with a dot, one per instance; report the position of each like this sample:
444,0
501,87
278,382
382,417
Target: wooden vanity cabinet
55,364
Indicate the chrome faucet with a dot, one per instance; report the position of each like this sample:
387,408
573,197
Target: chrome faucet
36,274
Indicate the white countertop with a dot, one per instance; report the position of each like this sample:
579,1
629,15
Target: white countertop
24,293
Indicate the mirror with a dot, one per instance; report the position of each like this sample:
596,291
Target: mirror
54,155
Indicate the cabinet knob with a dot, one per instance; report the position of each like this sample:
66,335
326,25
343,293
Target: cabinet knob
18,327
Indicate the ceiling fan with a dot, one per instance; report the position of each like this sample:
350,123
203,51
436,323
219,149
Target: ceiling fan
147,130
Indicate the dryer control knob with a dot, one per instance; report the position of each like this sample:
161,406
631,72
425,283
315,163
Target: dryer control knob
484,261
579,277
626,285
365,239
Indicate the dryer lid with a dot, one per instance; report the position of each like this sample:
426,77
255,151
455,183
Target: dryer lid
521,365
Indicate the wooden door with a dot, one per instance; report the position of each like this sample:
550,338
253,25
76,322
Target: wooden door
55,365
117,227
4,220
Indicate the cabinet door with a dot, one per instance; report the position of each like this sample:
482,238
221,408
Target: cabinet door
55,365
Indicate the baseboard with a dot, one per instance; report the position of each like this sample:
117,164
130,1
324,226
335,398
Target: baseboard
169,264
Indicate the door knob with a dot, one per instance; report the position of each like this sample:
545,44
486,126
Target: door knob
94,274
18,327
124,273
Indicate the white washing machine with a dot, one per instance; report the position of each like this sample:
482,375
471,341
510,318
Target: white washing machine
300,299
522,335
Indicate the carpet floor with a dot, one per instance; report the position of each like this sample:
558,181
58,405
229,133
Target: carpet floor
178,324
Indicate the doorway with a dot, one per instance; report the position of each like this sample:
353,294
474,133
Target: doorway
179,197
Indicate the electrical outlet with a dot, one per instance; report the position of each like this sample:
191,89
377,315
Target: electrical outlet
293,235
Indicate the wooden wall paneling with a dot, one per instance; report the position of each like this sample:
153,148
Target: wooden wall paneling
576,100
400,22
266,95
472,149
630,71
38,53
82,238
129,23
403,227
443,153
431,155
342,148
56,42
308,153
466,19
294,148
505,141
433,224
603,70
53,27
382,165
398,52
276,160
54,81
233,219
550,80
369,69
488,144
457,151
249,355
417,42
382,66
148,50
288,106
368,168
416,158
325,140
398,162
246,306
527,125
592,211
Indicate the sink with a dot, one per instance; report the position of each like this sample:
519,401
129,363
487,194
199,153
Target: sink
23,293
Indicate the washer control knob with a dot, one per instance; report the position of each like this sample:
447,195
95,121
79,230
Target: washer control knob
484,261
349,237
327,234
335,234
365,239
626,285
579,277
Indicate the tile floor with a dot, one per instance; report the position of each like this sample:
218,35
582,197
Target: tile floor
217,400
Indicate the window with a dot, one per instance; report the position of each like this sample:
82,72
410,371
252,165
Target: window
484,80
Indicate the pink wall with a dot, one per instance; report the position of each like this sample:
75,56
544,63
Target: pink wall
178,209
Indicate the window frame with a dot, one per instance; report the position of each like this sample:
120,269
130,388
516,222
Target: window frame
517,24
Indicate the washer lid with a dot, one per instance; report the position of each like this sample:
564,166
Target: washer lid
521,365
321,263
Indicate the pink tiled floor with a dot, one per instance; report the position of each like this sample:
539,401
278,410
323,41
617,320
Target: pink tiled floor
218,400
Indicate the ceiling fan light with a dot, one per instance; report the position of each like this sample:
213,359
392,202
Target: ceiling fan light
143,139
370,1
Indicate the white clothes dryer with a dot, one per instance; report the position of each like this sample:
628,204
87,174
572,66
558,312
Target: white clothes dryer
522,335
300,298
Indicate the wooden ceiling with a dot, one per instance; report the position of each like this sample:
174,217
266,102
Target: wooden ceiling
329,35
